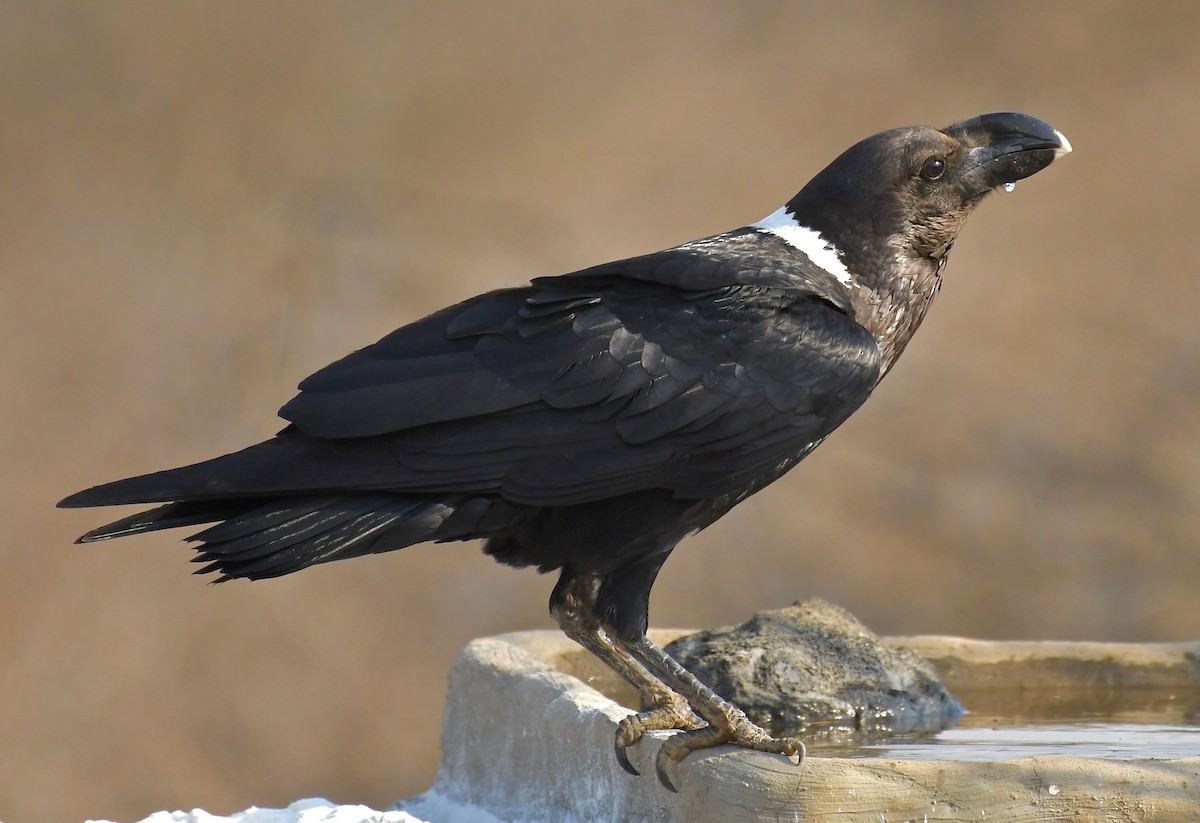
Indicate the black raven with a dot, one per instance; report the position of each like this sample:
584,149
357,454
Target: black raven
587,423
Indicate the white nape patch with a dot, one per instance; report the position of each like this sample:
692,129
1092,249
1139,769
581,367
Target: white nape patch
783,224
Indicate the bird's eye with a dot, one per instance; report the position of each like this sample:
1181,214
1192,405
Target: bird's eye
933,169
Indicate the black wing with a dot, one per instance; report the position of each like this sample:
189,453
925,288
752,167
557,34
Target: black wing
697,370
707,370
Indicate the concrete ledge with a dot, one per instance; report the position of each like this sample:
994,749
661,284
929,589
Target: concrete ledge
524,741
973,664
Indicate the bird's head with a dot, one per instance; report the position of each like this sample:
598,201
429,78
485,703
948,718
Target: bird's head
906,193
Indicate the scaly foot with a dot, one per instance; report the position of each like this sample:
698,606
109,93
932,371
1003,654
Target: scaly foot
724,727
667,711
726,722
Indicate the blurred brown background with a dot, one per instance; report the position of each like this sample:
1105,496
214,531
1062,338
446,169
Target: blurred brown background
201,203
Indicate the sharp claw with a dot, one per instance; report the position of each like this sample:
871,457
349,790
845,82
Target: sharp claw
660,769
623,759
801,753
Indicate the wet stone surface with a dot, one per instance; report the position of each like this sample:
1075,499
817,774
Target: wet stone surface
812,667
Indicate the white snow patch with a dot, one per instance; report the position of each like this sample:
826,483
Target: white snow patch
783,224
430,807
312,810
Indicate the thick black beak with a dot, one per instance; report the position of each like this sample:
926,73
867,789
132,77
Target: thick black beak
1008,146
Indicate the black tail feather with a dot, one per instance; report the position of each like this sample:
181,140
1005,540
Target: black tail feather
273,535
290,534
170,516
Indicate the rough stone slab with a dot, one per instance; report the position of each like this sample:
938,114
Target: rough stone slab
526,742
813,666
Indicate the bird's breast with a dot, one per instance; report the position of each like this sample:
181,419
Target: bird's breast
893,307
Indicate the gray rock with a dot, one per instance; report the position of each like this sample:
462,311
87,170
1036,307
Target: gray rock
813,666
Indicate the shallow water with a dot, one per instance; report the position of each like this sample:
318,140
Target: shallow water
1118,741
1119,724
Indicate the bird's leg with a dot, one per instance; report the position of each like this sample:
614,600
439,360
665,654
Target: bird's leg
661,707
726,722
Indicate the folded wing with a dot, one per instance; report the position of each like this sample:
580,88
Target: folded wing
701,374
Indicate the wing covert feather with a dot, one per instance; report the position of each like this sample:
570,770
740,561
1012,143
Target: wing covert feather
678,374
